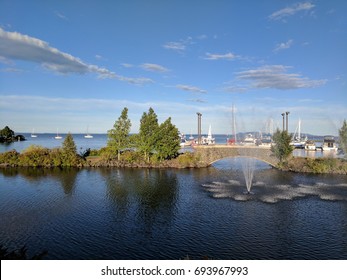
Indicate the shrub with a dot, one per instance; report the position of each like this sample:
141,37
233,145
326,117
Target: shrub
35,156
10,157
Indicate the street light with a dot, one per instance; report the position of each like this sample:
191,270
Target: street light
287,113
283,120
199,127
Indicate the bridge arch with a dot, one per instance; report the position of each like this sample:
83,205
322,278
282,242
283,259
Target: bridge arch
210,154
253,157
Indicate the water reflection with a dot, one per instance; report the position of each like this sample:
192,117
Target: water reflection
65,176
149,196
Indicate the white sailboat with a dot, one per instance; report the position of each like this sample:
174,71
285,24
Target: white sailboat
58,137
297,140
209,140
33,135
88,136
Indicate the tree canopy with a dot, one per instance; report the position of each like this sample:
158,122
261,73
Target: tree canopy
282,148
118,136
148,134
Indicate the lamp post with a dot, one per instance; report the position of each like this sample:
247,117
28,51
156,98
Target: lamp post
287,113
283,120
199,128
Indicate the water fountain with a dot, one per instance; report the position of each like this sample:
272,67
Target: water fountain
248,166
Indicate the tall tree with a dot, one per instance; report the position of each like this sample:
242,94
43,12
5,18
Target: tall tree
343,137
282,148
69,146
168,142
69,151
118,136
147,137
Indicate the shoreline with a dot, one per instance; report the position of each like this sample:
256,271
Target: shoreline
188,160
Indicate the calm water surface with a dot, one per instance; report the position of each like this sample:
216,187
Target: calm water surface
169,214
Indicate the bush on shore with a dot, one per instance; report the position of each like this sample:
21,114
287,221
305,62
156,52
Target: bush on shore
316,165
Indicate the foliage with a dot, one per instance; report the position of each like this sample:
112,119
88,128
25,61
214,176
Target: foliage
168,143
35,156
282,149
118,136
188,160
6,133
148,135
38,156
343,138
10,157
317,165
69,151
69,146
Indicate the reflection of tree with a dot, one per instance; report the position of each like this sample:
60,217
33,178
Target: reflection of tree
156,192
68,179
147,195
67,176
117,188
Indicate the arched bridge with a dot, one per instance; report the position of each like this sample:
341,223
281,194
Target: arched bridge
210,154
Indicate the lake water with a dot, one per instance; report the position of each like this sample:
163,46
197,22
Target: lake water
109,213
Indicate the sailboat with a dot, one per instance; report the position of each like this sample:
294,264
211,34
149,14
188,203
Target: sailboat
88,136
209,140
297,140
33,135
58,137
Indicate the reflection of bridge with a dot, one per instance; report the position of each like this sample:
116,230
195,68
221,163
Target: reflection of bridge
211,154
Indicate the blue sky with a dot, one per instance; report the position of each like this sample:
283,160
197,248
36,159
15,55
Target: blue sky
69,65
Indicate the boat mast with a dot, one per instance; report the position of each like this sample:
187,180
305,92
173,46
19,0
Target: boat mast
234,123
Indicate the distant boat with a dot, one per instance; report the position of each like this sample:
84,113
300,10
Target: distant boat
58,137
298,141
33,135
209,140
249,140
329,144
88,136
310,145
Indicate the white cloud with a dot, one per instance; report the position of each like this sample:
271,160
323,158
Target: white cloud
191,88
283,46
235,89
154,67
127,65
16,46
60,15
276,76
179,46
175,46
292,10
227,56
197,100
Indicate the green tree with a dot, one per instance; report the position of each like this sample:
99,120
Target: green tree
118,136
168,142
282,148
147,137
69,151
343,137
